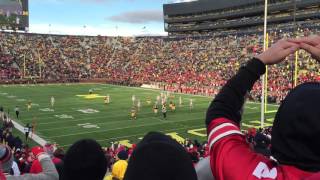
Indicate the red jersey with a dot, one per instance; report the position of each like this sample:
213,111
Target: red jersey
231,157
36,166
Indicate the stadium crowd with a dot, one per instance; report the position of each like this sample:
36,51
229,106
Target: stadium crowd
195,65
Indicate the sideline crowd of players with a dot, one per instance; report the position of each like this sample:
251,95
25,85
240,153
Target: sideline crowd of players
162,103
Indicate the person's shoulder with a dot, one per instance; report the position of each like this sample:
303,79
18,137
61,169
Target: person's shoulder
291,172
117,164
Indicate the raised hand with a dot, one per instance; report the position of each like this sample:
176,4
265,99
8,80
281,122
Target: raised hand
278,52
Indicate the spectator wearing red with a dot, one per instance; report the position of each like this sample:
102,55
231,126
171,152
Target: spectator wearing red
49,171
296,124
36,166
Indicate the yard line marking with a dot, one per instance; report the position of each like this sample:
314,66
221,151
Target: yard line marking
102,123
250,102
272,111
259,122
270,120
249,125
34,137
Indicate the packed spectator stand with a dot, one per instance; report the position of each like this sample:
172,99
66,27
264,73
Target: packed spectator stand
195,65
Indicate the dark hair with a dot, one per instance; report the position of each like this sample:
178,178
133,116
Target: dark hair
159,157
59,153
85,160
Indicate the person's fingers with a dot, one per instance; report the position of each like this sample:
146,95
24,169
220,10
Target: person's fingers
297,41
311,40
311,49
287,44
290,50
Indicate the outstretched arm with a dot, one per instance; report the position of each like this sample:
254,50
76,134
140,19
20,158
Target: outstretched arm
228,147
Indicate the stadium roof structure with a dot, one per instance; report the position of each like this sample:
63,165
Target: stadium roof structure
205,16
203,6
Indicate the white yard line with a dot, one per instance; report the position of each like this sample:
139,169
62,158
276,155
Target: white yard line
34,137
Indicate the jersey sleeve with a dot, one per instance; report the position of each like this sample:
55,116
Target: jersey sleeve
231,157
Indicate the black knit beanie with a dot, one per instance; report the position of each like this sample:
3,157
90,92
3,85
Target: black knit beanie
296,129
159,157
85,160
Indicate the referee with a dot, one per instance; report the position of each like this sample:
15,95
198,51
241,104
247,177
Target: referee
27,131
16,109
164,112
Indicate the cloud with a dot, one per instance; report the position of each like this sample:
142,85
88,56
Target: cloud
138,17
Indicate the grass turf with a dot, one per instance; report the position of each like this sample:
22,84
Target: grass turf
112,122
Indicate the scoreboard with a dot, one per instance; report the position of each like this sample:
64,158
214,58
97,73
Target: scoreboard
14,15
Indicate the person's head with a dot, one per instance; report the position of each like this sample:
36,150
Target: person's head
85,160
49,149
6,158
122,155
159,157
296,128
59,153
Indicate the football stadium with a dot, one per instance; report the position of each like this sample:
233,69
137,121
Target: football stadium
226,85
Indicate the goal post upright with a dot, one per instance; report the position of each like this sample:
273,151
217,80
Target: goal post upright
296,69
266,79
263,77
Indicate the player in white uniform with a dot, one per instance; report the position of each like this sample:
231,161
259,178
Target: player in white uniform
164,100
191,104
139,104
133,99
158,99
180,101
108,99
52,101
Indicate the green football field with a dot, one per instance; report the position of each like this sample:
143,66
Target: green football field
76,114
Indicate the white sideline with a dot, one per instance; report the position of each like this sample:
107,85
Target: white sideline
34,137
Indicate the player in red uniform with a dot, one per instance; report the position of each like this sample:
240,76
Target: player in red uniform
296,122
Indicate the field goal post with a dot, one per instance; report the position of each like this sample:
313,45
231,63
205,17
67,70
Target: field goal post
264,97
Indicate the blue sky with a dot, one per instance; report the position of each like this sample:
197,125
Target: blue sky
97,17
